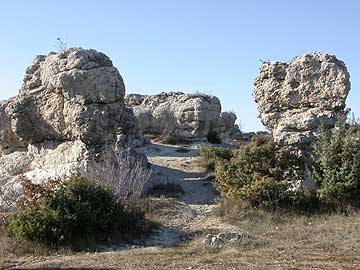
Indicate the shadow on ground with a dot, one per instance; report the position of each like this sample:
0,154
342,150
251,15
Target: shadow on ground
197,190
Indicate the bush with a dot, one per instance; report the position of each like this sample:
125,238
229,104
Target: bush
34,194
216,153
212,154
168,190
173,140
78,210
213,137
258,173
335,165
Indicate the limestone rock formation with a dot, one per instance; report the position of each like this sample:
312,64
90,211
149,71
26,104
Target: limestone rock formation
189,116
295,97
131,135
69,117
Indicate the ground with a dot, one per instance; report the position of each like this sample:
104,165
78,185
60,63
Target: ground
275,240
193,211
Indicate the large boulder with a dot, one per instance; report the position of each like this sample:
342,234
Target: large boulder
188,116
69,118
296,97
131,135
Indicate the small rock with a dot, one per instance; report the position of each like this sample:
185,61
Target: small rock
222,238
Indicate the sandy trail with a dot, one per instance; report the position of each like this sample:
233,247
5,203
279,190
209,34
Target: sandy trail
194,211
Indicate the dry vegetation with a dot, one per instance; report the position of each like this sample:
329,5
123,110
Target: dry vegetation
278,241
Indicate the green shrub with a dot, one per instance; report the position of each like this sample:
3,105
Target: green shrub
213,137
173,140
78,210
168,190
335,166
212,154
216,153
258,173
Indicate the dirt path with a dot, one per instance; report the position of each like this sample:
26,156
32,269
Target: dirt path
299,242
194,211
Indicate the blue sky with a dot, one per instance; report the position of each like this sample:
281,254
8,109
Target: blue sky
188,45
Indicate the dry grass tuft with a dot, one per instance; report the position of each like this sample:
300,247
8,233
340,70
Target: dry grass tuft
279,241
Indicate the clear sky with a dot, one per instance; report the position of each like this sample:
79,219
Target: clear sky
189,45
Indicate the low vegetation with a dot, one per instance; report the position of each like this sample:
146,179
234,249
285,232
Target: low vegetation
335,165
264,174
79,211
279,241
211,155
213,137
171,139
257,173
168,190
258,186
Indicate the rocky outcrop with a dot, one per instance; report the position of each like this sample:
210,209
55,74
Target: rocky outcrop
296,97
189,116
130,134
68,118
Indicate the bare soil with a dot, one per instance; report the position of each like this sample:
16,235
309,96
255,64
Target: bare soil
277,241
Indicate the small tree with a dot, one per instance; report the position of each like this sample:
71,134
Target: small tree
335,164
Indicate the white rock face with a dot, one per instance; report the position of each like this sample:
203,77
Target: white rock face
190,116
68,118
294,98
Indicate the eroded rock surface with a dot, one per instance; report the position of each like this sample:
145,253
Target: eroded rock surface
190,116
69,117
295,97
131,135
